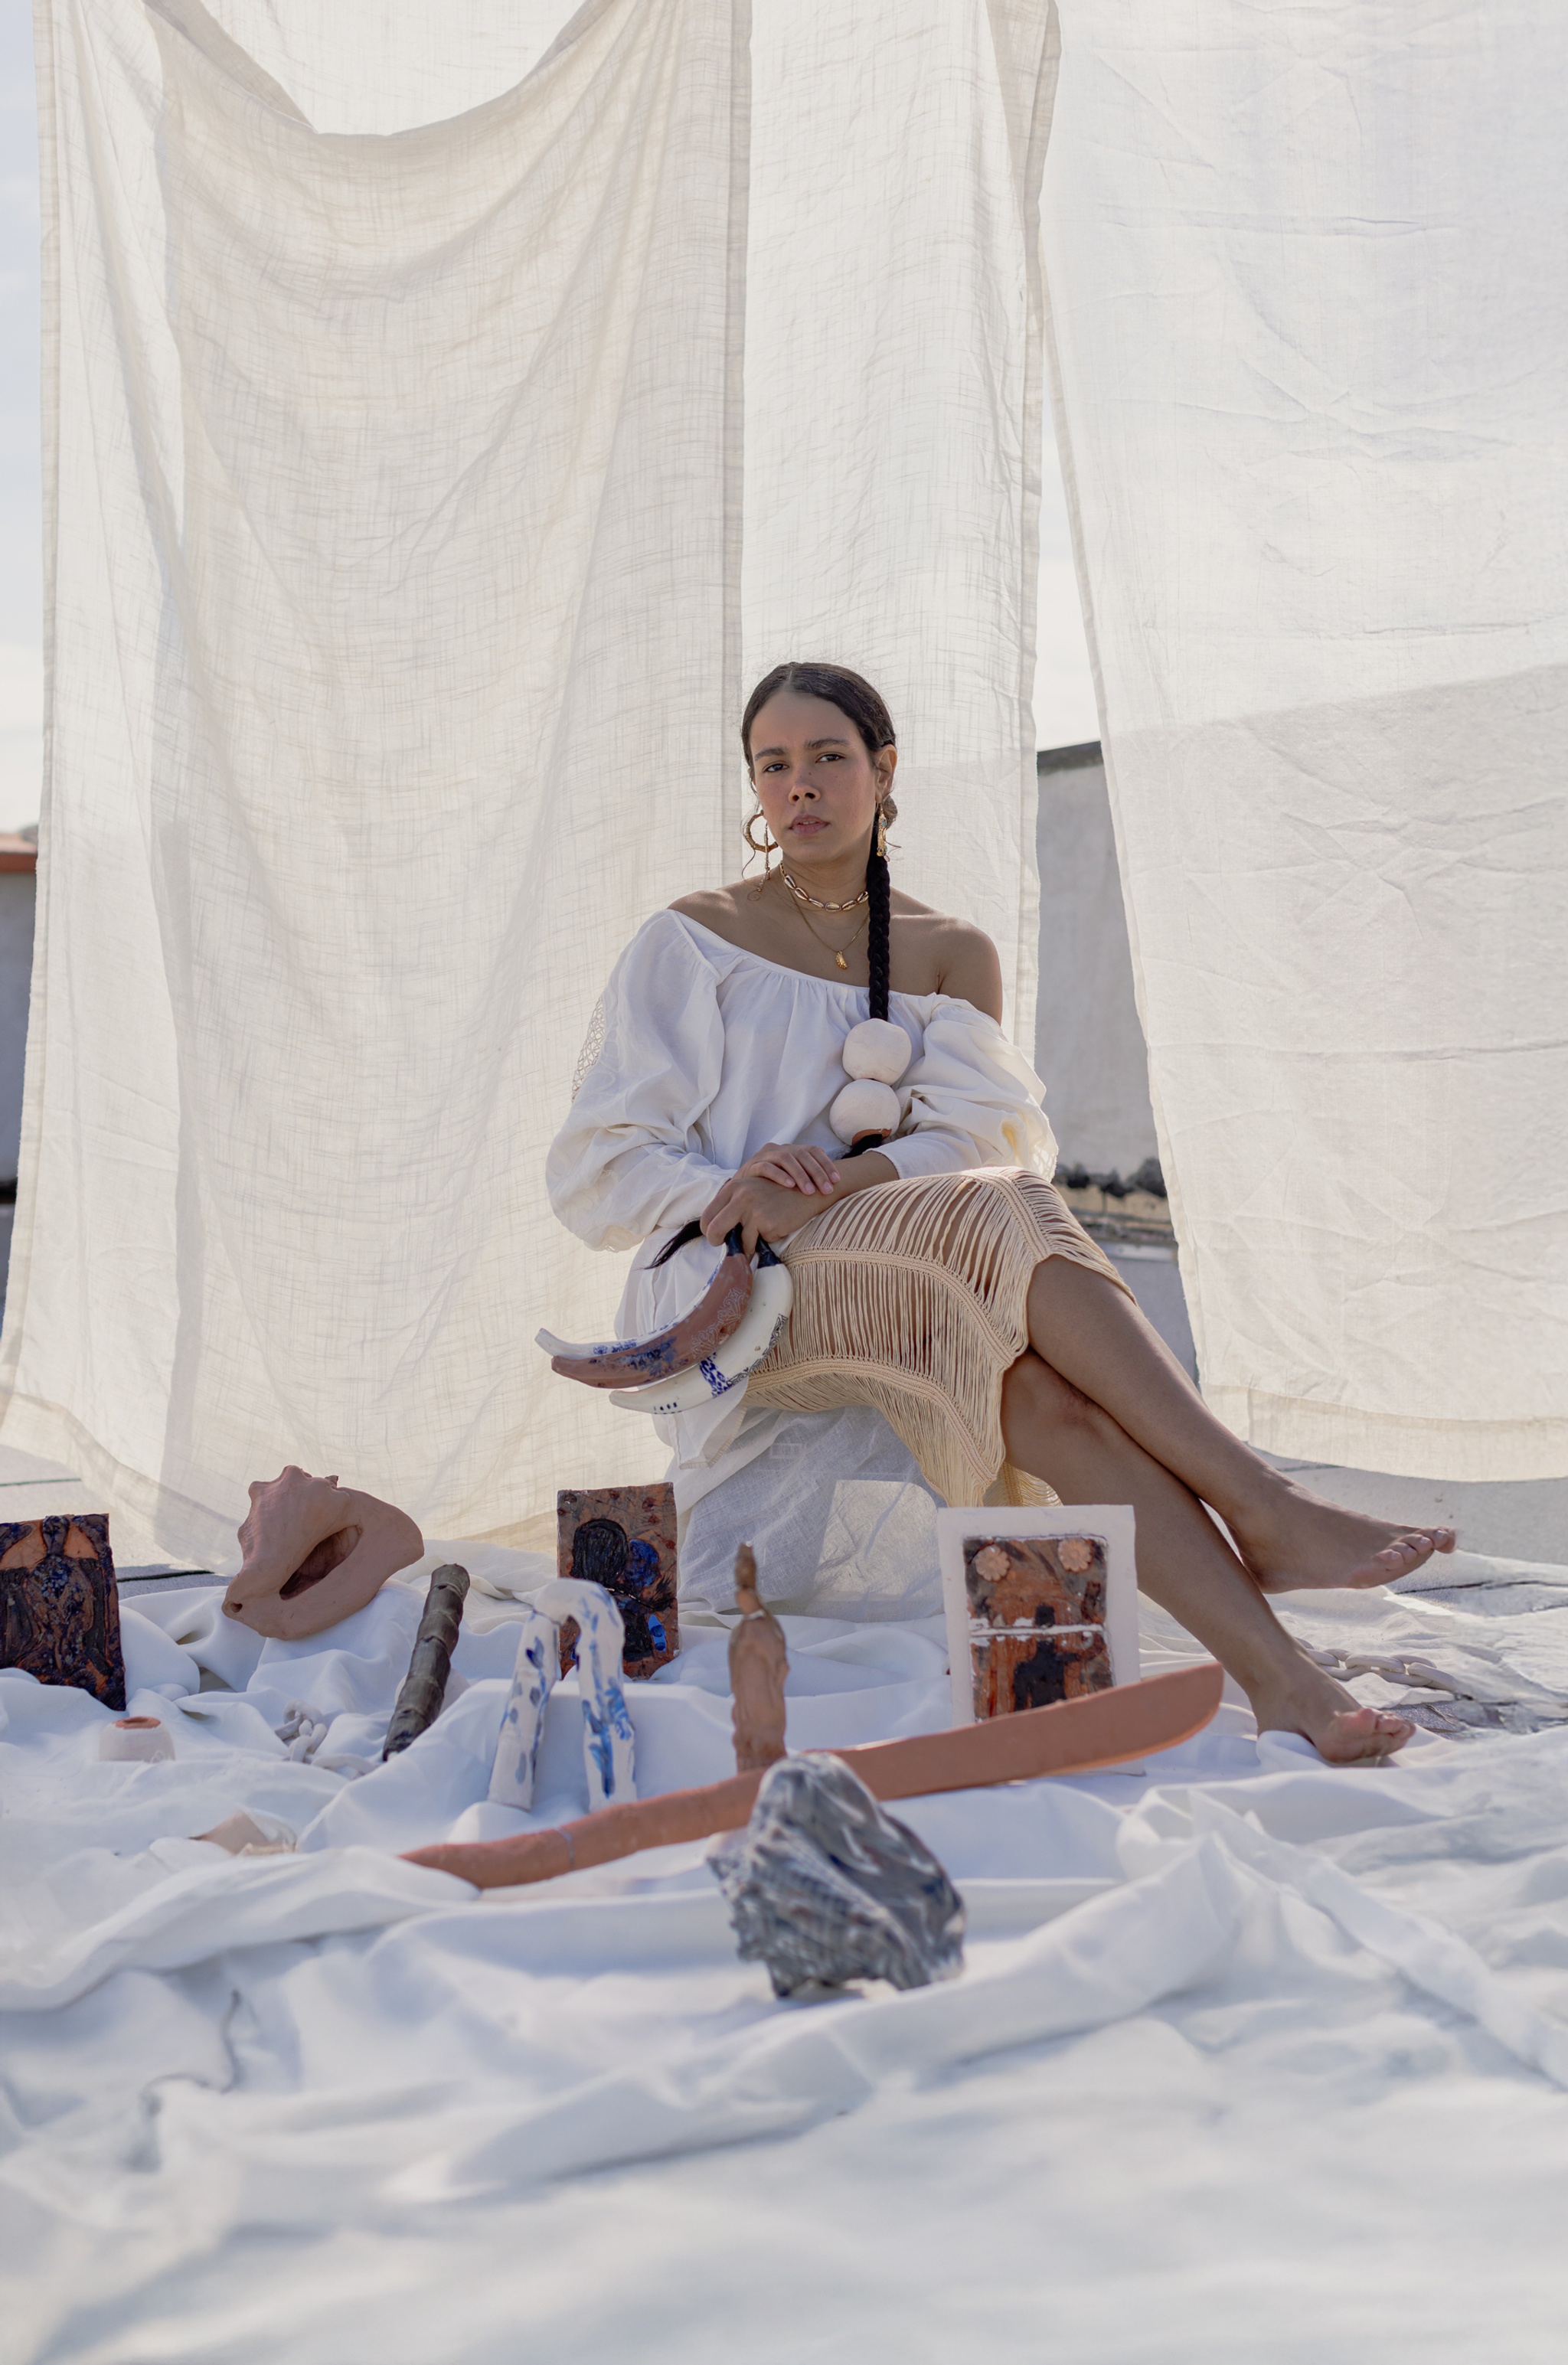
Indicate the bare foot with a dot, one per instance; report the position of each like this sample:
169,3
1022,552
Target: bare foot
1297,1542
1340,1730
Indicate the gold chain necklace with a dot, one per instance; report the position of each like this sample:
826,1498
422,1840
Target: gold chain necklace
833,949
817,904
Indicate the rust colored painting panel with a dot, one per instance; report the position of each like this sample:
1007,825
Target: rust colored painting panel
1037,1620
624,1538
60,1604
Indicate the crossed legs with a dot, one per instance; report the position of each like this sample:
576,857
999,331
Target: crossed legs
1102,1412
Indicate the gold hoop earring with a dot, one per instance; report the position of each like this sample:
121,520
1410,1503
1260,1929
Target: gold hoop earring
769,846
882,833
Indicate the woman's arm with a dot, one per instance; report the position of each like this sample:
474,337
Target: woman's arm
628,1162
774,1210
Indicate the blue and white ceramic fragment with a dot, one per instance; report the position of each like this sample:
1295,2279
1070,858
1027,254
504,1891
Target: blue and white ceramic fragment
608,1748
534,1676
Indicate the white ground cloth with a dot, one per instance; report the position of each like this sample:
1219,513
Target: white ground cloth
1248,2054
397,530
1312,392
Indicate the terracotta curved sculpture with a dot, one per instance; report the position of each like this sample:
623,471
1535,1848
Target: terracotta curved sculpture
315,1553
759,1664
1073,1737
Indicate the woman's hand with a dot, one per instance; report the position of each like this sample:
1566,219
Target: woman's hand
772,1210
798,1165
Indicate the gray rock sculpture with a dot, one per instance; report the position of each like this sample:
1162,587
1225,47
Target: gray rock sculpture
825,1888
759,1664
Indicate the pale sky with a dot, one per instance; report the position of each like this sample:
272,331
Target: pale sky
1064,695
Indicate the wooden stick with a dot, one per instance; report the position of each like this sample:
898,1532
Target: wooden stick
1082,1736
424,1685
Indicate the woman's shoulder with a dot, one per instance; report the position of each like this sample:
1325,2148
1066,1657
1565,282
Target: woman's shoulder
721,909
941,954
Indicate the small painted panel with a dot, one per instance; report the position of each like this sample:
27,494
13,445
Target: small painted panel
1037,1620
623,1538
60,1604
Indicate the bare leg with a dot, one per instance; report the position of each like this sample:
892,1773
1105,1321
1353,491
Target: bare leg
1185,1565
1083,1327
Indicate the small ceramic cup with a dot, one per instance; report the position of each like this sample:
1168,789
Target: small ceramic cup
141,1739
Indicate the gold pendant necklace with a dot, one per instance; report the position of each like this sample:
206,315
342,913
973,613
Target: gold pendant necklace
833,949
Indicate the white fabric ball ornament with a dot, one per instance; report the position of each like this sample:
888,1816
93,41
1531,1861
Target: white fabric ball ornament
877,1049
863,1106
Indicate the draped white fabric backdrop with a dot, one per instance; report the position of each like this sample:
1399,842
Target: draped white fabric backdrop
396,507
1310,389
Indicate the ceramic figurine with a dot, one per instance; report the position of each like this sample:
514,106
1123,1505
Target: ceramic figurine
534,1677
759,1662
825,1888
315,1553
60,1604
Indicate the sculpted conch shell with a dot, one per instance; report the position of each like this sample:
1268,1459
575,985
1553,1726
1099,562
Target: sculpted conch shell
315,1553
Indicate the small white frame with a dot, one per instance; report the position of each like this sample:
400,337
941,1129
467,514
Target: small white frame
1109,1523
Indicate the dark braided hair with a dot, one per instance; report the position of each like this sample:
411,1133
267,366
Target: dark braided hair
865,707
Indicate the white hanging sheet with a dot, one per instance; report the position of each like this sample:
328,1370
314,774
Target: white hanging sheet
394,552
1311,390
396,578
893,376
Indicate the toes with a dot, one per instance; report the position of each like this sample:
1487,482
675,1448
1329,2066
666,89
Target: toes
1363,1735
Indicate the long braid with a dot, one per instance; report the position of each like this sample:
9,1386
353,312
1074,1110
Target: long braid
879,953
879,931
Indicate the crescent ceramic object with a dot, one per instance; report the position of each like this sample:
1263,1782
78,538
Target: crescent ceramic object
695,1338
773,1293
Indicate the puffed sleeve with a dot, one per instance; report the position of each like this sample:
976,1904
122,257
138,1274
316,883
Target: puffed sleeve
628,1162
973,1101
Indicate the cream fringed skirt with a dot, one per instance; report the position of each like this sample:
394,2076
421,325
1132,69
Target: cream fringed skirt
912,1298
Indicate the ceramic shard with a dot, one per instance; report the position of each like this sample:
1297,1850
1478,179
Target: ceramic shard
607,1750
60,1604
314,1553
759,1662
424,1685
534,1677
623,1538
825,1888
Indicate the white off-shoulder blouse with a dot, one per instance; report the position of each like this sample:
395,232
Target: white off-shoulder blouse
709,1052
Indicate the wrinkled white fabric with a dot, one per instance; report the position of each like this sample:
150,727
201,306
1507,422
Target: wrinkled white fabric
1311,395
1205,2012
707,1052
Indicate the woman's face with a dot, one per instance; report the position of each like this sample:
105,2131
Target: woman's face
816,780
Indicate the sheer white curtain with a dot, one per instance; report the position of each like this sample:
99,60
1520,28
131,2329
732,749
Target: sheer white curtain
1313,371
396,543
395,516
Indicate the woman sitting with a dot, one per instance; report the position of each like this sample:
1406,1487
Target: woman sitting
938,1277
